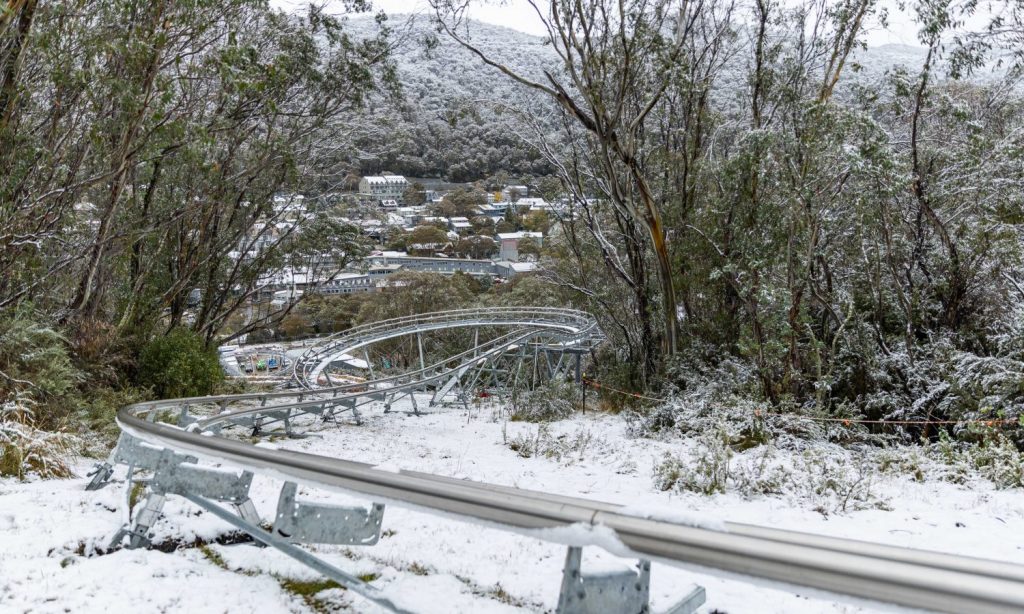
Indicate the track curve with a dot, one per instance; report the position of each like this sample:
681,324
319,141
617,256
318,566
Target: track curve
869,571
562,328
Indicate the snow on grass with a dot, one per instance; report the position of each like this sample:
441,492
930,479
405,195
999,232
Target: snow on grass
53,531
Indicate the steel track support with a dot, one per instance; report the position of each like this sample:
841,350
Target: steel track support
415,406
349,581
616,592
476,376
369,365
178,474
519,365
537,365
419,344
318,523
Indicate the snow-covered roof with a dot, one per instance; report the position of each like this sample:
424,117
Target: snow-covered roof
523,234
384,179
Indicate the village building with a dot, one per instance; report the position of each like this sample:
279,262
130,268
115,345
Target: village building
509,249
383,187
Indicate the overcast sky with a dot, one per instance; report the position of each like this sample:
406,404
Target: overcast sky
518,14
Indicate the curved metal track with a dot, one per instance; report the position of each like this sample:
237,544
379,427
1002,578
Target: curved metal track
562,328
914,578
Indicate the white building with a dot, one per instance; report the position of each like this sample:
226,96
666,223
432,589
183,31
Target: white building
383,187
513,193
460,225
534,204
349,283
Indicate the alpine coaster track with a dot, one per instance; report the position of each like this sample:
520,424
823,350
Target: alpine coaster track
167,439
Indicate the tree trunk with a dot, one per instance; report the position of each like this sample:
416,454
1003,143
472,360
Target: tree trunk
13,61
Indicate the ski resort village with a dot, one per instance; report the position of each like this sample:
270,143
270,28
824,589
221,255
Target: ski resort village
512,306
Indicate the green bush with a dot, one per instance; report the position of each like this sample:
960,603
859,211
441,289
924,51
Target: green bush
26,450
35,366
179,364
100,405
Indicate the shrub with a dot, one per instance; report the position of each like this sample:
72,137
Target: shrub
994,458
825,477
179,364
100,406
27,450
555,400
708,474
35,367
543,444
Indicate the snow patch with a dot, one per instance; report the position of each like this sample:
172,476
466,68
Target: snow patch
388,467
580,534
671,514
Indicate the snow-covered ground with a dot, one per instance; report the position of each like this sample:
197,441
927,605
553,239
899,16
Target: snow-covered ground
50,530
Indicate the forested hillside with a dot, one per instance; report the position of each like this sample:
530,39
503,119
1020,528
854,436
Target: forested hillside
449,124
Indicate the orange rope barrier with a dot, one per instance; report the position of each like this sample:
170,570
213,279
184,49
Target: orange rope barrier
600,386
844,421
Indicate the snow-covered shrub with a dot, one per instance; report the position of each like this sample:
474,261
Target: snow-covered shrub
722,396
992,387
762,472
700,371
668,472
993,457
27,450
747,423
998,460
555,400
179,364
36,367
833,480
544,444
707,474
825,477
902,461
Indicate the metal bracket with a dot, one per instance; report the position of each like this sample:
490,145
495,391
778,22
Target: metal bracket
101,474
177,474
311,523
270,539
173,477
133,452
617,592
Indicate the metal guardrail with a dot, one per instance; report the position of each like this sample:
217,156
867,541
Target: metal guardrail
874,572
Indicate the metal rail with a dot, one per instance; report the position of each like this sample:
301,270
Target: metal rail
875,572
566,327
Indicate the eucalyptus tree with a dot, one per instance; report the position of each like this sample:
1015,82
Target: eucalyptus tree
617,60
143,145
